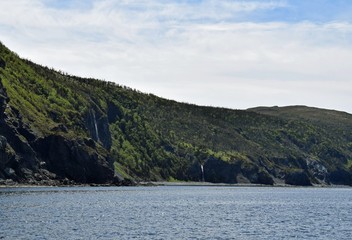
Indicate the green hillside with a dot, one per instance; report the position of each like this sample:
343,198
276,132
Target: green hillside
56,128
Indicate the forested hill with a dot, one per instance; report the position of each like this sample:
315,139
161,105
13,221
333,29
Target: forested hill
61,129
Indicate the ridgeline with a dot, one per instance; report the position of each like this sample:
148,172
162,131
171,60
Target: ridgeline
62,129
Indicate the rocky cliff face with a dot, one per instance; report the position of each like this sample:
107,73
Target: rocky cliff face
28,157
18,160
56,128
3,100
97,125
74,160
4,153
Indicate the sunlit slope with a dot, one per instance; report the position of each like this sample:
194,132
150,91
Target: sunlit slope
132,135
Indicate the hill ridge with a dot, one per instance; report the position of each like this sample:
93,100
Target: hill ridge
62,129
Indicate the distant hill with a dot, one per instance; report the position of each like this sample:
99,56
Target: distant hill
323,117
62,129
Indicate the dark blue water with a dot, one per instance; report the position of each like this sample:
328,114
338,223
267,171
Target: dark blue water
176,213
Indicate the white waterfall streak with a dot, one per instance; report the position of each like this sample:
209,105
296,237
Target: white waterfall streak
95,126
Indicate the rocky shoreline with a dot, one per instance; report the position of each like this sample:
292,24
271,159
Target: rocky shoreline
11,184
63,183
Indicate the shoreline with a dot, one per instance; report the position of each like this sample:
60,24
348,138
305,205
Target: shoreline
209,184
171,184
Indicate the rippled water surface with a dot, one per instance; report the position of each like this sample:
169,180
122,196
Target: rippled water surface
176,213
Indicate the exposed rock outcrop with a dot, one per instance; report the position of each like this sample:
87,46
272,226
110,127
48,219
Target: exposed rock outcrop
97,125
218,171
298,178
3,100
16,152
114,112
3,154
27,157
340,177
74,160
318,170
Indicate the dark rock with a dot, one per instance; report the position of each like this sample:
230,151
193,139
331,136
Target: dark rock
3,99
298,178
8,182
67,182
104,132
10,172
3,143
27,173
120,181
25,154
60,128
256,175
318,170
89,142
218,171
2,63
265,178
16,152
27,133
114,112
340,177
5,155
68,159
128,182
97,125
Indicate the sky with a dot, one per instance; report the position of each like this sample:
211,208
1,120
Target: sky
228,53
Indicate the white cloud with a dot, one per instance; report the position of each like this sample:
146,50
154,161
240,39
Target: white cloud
191,53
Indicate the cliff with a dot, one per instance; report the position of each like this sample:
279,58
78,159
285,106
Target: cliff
62,129
30,155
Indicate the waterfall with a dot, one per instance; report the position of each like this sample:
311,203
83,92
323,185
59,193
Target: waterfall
95,126
202,170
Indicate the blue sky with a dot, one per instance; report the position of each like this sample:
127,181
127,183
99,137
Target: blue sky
290,11
228,53
319,11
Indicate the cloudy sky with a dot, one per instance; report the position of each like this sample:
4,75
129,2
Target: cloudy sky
228,53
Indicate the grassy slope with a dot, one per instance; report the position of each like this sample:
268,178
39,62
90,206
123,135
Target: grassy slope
333,129
155,138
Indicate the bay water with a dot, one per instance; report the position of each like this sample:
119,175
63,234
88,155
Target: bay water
175,212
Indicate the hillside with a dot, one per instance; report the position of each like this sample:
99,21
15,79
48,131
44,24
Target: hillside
62,129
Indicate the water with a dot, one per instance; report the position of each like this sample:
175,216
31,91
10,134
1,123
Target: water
95,126
176,213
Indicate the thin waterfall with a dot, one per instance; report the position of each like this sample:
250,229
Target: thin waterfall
202,170
96,126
